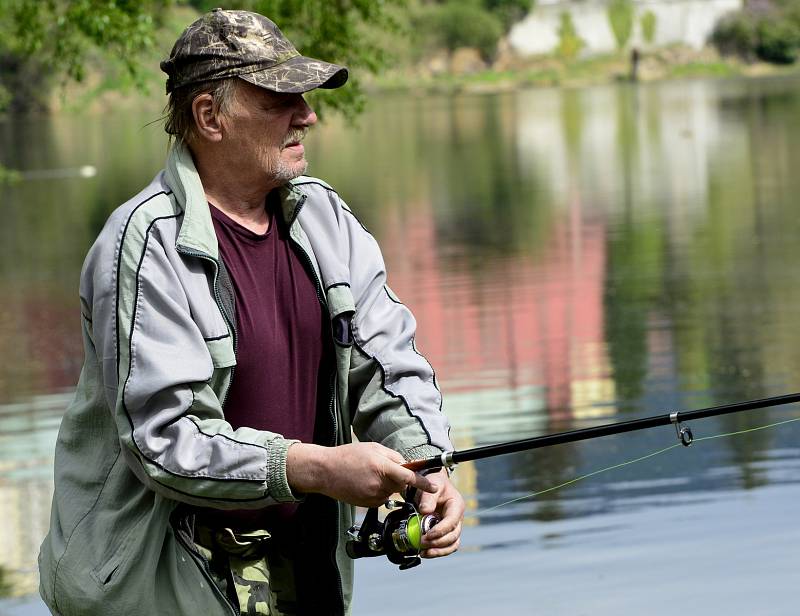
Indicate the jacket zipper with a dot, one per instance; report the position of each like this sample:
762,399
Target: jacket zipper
218,300
335,545
331,406
201,561
332,395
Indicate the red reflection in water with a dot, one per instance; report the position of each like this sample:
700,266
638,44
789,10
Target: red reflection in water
517,320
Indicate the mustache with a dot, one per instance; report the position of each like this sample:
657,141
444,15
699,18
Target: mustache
296,135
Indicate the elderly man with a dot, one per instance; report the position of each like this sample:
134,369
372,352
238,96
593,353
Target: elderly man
236,325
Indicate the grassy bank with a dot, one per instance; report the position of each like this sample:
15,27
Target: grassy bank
665,64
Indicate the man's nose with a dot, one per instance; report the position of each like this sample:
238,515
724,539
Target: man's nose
305,115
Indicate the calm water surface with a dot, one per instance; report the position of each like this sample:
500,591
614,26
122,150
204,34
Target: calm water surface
573,258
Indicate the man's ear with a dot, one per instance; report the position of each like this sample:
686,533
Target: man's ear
206,119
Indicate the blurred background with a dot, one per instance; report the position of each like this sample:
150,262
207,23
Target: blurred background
590,206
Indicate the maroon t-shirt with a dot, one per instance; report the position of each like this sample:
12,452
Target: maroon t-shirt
281,374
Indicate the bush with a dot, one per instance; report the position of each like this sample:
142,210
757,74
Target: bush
620,16
648,22
770,35
453,25
508,11
736,35
569,43
778,41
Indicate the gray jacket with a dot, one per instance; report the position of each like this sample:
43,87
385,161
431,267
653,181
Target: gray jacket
146,430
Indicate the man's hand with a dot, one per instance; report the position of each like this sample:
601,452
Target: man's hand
362,474
447,503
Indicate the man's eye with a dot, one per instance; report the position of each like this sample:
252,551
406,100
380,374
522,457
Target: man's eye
285,101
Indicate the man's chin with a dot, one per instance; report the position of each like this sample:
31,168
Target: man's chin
300,168
287,172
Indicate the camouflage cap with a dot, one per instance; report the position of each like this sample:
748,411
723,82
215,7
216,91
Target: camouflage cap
242,44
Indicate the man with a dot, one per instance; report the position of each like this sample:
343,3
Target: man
236,325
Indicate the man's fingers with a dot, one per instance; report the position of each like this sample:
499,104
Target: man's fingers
452,514
447,537
401,477
421,482
448,530
445,526
427,502
438,552
435,547
405,477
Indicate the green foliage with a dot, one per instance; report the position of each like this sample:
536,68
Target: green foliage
44,39
770,33
457,24
778,41
569,43
508,11
648,22
736,35
620,17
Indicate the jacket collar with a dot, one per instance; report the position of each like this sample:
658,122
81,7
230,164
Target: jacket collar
197,229
291,200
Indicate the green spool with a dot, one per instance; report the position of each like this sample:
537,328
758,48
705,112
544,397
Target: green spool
414,532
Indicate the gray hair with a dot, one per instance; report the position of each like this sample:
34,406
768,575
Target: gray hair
178,118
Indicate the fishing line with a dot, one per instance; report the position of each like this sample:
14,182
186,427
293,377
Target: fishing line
399,535
621,464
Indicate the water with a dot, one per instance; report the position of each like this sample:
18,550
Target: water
573,257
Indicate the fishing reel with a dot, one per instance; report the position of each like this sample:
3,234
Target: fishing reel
398,536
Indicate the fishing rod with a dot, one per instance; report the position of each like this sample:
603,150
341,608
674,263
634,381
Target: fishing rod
399,535
449,459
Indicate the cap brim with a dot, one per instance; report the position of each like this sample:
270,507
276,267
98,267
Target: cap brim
297,75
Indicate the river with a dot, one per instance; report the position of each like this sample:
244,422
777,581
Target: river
573,257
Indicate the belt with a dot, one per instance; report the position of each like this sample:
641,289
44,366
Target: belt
242,544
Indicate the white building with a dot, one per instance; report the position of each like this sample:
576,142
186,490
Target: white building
688,22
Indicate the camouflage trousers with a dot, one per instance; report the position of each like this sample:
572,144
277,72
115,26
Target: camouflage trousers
249,569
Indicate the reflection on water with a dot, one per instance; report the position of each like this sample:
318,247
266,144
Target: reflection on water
573,258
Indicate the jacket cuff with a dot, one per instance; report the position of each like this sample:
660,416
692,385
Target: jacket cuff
278,484
420,452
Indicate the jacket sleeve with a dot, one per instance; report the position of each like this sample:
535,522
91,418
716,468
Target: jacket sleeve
395,399
157,372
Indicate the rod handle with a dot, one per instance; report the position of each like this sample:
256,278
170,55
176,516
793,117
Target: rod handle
417,465
443,461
